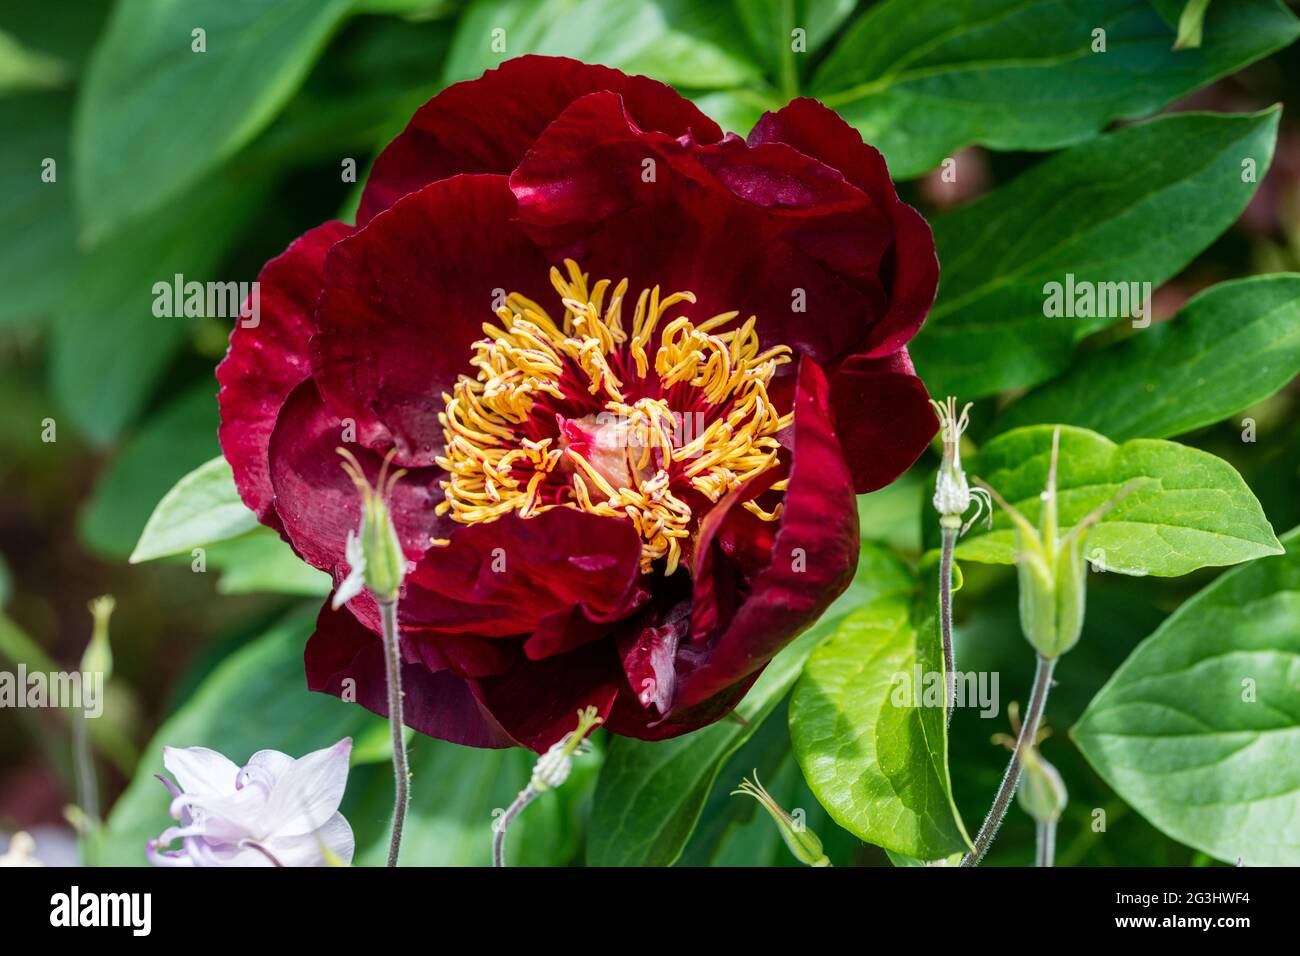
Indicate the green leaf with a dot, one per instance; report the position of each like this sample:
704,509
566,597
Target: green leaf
650,794
1190,25
1132,206
922,78
876,763
34,270
1199,728
1192,510
770,25
182,436
260,562
677,41
109,349
256,699
456,793
1231,346
155,116
202,508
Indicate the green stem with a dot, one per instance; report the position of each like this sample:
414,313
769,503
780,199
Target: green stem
945,620
526,796
401,777
1046,848
1011,779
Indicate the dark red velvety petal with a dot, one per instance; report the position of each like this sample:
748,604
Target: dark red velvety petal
537,702
317,502
883,417
437,703
913,273
514,576
813,558
266,361
768,231
405,298
487,124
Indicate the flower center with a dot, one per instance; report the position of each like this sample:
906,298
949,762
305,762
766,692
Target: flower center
578,414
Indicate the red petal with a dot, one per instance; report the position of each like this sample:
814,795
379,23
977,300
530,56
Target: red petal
913,276
439,703
767,231
813,559
506,577
266,361
537,702
883,417
316,500
406,297
486,125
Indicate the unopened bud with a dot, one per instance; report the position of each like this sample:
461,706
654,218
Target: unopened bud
952,493
374,552
1042,792
98,656
803,843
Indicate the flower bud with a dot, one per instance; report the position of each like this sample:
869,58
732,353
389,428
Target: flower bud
802,842
98,656
952,493
554,766
1042,792
374,552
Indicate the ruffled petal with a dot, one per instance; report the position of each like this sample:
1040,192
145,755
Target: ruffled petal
911,275
508,576
404,300
345,659
268,360
812,561
883,417
317,502
486,125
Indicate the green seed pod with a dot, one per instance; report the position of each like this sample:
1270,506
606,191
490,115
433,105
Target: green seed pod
1042,792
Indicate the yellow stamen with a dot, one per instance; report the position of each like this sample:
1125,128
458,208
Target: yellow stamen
636,464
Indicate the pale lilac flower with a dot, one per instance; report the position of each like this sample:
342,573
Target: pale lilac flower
274,811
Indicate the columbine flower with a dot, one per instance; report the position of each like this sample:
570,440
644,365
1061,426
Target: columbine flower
273,811
635,370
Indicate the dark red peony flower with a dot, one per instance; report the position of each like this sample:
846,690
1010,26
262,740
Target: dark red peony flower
635,370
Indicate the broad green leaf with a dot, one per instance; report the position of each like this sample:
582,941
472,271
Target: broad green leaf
1231,346
202,508
179,438
771,25
922,78
260,562
1189,510
877,760
35,268
256,699
1198,730
677,41
1133,206
155,116
650,794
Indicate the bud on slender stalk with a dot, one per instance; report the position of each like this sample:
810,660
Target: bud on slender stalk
98,656
803,843
374,552
952,493
1042,792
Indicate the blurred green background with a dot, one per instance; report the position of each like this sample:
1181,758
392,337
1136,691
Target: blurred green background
167,161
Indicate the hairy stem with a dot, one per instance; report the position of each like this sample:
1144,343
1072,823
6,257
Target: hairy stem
1011,779
401,777
945,620
1046,851
526,796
